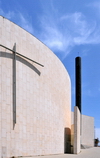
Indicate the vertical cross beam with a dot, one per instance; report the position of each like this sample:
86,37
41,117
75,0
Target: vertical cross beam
14,85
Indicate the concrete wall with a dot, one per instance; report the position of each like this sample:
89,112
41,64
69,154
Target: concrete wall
43,96
87,131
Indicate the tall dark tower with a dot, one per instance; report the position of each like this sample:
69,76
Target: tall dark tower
78,81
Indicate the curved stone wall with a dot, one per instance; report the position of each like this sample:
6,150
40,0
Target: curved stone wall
43,101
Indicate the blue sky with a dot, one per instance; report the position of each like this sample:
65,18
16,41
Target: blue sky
66,27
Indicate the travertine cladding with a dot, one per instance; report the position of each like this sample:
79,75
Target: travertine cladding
43,101
76,130
87,131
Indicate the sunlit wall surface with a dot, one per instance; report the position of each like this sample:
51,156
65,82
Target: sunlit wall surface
43,107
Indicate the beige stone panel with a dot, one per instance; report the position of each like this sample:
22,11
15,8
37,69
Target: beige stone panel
0,129
43,101
87,131
8,148
76,130
4,142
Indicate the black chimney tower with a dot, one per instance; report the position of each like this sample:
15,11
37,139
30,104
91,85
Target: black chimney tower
78,82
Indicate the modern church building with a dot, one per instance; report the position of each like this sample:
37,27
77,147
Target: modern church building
35,99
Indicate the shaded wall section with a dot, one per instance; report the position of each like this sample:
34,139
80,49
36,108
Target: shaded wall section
72,131
67,140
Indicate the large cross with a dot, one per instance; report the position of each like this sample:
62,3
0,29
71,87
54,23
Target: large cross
14,77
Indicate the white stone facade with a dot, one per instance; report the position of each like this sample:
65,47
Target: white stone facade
43,96
76,130
87,131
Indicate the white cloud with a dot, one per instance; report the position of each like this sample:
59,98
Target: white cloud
80,28
24,23
78,20
64,32
18,18
95,5
95,8
55,39
84,52
59,32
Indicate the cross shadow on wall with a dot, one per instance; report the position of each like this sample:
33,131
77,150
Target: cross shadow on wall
67,140
20,59
25,62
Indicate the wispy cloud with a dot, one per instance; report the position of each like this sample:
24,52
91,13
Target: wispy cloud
8,15
84,52
62,33
25,23
18,18
95,5
54,37
51,34
80,28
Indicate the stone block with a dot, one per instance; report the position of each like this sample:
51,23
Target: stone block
76,130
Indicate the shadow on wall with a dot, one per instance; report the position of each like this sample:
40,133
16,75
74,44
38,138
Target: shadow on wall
67,140
20,59
72,138
25,62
